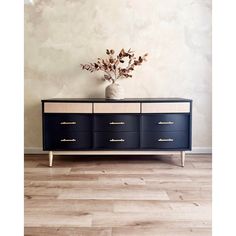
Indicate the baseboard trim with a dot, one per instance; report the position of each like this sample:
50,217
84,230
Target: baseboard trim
195,150
200,150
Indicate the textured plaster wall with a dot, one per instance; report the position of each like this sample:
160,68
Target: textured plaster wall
61,34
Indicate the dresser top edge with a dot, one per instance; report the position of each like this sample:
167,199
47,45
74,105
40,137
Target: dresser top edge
103,100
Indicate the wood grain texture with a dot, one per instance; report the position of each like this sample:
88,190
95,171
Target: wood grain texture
165,107
113,196
117,107
66,107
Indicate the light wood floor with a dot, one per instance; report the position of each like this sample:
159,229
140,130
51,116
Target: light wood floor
116,196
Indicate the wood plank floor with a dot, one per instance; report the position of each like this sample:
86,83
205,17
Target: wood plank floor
116,196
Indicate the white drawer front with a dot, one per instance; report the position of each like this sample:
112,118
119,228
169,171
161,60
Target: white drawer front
166,107
67,107
125,107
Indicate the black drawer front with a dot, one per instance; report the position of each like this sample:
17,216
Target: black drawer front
116,140
67,122
68,140
116,123
165,122
165,140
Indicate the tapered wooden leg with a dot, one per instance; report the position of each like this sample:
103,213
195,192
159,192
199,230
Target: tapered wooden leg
50,158
182,158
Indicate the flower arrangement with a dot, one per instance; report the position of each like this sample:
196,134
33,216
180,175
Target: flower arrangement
116,67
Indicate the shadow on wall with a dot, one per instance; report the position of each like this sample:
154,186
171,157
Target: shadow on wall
97,86
33,124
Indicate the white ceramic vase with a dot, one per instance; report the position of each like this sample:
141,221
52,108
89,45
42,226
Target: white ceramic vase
114,91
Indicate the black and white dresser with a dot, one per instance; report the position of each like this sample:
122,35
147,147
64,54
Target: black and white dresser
142,126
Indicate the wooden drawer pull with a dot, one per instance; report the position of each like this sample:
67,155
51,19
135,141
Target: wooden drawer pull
117,140
165,140
68,140
117,123
166,122
68,123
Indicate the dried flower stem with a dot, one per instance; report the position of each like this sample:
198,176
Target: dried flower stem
112,66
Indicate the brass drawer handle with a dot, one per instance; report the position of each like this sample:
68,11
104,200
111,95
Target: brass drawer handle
117,123
117,140
68,123
165,140
166,123
68,140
